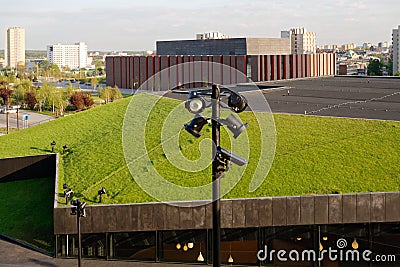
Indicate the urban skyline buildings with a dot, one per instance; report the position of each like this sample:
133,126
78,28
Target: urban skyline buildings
72,56
14,46
396,50
301,41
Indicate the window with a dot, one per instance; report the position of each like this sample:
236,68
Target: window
133,246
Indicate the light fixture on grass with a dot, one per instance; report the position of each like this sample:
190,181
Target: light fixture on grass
101,192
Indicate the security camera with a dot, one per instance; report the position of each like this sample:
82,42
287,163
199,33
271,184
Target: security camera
229,156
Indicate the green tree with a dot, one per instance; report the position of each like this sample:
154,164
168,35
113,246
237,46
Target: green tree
115,93
390,65
98,64
21,87
105,94
94,82
55,71
42,95
45,65
375,68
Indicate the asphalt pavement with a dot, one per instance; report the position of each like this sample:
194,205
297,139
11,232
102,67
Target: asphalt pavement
15,256
16,121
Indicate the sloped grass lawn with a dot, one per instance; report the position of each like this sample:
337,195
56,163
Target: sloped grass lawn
26,212
314,155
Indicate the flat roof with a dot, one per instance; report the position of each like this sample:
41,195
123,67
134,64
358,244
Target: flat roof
366,98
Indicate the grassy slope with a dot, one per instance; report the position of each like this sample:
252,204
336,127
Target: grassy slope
314,155
28,205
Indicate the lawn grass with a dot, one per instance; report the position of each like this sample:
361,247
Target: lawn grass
27,212
314,155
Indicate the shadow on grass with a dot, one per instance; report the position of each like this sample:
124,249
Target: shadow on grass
29,210
42,150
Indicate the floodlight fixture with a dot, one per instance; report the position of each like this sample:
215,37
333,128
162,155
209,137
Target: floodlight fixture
196,124
53,144
82,205
237,103
101,192
67,194
235,125
75,202
195,103
73,210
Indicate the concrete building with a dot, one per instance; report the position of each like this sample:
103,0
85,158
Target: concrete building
71,56
14,47
301,41
396,50
224,47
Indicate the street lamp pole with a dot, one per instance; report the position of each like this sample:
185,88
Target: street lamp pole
78,223
216,241
223,158
78,209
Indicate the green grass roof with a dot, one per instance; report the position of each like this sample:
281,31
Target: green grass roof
314,155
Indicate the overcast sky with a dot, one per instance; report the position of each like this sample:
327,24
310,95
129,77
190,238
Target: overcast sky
115,25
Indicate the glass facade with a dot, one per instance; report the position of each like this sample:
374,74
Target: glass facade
133,246
349,245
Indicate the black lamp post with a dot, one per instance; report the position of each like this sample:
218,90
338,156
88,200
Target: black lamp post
78,209
223,158
53,144
216,173
64,148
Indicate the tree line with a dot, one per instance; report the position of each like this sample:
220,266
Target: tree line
48,97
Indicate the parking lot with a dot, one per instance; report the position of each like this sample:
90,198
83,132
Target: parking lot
16,120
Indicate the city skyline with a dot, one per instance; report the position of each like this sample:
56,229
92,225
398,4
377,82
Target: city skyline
132,25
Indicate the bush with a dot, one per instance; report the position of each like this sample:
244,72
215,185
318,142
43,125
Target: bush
30,100
81,100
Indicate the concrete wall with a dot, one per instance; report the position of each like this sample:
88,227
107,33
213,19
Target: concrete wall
268,46
236,213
